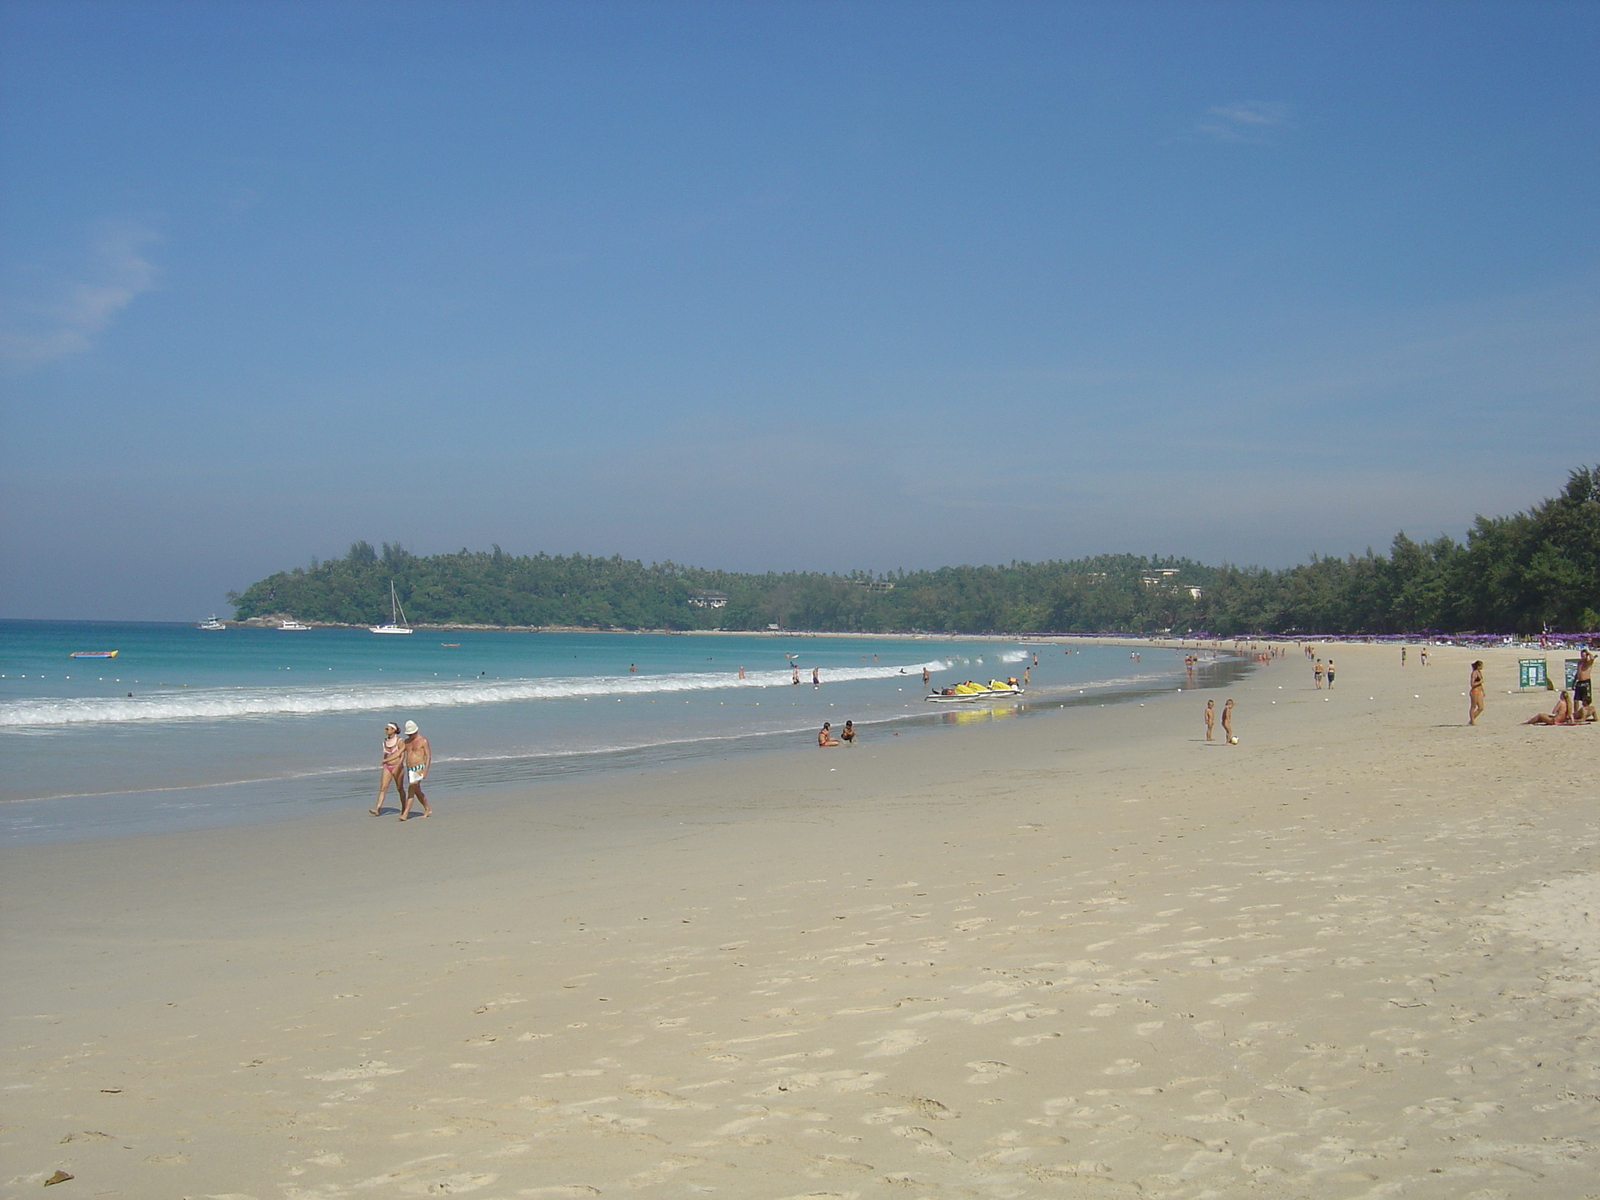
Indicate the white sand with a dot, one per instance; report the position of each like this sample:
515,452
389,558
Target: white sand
1081,955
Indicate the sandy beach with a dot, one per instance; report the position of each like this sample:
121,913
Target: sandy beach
1084,954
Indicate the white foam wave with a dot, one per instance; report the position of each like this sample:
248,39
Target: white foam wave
222,704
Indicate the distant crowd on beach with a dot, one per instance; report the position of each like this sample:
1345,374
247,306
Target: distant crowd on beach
406,755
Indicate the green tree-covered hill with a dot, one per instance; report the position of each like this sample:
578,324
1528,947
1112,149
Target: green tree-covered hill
1523,573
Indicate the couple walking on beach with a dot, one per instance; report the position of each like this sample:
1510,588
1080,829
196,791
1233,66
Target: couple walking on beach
406,760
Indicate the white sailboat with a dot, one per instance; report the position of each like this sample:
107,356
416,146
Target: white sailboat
397,616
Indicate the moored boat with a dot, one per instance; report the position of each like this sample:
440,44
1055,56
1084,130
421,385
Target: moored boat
397,616
292,625
211,622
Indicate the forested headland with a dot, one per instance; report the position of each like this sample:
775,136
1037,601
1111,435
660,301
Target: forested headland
1533,570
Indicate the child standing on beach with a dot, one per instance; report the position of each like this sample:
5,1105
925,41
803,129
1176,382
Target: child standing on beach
1211,717
1227,724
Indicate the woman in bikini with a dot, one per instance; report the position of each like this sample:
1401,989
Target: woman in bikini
1475,688
1561,714
390,767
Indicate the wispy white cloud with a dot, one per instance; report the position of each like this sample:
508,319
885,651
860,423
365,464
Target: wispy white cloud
120,271
1245,121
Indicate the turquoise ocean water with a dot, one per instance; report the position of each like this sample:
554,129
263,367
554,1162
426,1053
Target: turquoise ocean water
187,727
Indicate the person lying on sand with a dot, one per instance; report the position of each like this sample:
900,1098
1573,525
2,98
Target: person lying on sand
1561,714
825,736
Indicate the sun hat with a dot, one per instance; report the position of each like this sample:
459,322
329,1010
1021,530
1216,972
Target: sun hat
411,728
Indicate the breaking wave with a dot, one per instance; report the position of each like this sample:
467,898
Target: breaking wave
219,704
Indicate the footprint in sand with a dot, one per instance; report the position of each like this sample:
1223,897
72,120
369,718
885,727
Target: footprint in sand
656,1098
925,1140
367,1070
1033,1039
989,1070
894,1042
450,1185
662,1170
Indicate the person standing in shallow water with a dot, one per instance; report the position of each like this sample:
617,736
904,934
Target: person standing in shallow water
1475,690
1211,718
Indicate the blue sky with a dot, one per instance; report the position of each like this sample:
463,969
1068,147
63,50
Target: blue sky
781,285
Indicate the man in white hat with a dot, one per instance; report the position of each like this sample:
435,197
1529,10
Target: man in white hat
418,758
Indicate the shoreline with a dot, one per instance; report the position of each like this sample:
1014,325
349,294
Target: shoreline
336,785
1082,953
1561,641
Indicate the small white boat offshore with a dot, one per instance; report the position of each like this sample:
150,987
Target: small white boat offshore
397,616
292,625
963,692
211,622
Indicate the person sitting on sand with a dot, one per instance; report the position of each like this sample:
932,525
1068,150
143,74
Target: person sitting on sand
390,767
848,733
1561,714
1227,724
825,736
1475,688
